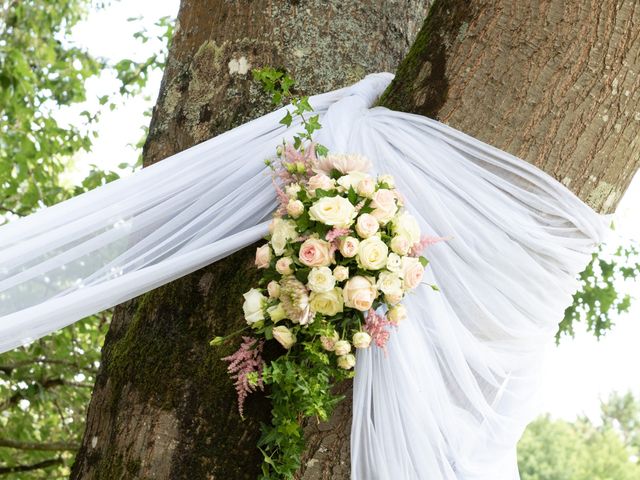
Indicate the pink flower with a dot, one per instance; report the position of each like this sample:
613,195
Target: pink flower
315,253
319,181
245,361
343,163
376,326
412,272
335,233
366,225
349,247
425,242
263,256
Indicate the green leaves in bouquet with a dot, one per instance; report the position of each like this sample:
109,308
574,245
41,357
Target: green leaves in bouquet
281,87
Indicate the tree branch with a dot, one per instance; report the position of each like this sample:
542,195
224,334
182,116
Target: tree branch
45,447
28,468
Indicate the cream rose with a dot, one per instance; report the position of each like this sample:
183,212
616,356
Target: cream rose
361,340
406,225
387,180
389,282
327,303
359,293
276,313
412,272
400,244
283,266
347,362
284,336
394,263
263,256
384,205
295,208
397,314
320,181
334,211
253,306
394,297
321,279
349,247
351,180
282,232
366,187
372,254
342,347
274,289
367,225
292,190
329,342
341,273
315,253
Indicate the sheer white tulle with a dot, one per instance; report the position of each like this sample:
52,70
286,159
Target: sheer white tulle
459,383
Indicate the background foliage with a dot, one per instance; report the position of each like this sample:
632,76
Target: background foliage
46,386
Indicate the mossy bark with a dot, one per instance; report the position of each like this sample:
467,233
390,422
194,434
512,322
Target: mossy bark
552,81
163,406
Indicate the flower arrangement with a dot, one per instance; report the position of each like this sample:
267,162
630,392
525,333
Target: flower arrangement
341,254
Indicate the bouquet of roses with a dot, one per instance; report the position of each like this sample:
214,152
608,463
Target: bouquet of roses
341,255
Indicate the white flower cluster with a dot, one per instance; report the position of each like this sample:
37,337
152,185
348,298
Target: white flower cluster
344,246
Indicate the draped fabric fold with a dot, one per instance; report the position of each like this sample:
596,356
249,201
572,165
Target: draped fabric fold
457,387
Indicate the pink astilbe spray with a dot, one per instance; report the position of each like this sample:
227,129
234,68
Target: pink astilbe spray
425,241
283,198
335,233
246,360
376,326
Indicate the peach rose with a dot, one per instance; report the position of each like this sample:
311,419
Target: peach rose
384,205
283,266
366,225
263,256
412,272
349,247
315,253
359,293
320,181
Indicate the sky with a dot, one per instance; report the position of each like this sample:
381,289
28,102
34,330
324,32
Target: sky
578,373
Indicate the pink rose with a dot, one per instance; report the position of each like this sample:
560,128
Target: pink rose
359,293
366,187
263,256
319,181
349,247
274,289
412,272
366,225
384,205
315,253
400,245
283,266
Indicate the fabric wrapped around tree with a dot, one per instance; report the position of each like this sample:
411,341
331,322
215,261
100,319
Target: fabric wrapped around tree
458,385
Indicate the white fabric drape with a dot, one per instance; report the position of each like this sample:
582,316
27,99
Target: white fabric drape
458,386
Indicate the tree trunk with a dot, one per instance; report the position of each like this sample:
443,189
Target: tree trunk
551,81
163,406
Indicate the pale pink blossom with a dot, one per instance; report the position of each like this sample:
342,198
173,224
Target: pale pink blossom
425,241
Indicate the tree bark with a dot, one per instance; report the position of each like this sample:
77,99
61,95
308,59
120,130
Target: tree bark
163,406
554,82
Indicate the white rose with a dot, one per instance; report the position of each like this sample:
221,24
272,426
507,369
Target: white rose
283,231
342,347
387,180
407,226
389,282
366,187
292,190
320,181
359,293
263,256
372,254
284,336
361,340
394,263
341,273
327,303
276,313
321,279
295,208
397,314
367,225
412,272
253,306
329,343
283,266
347,362
349,247
351,180
334,211
274,289
400,244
